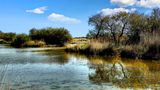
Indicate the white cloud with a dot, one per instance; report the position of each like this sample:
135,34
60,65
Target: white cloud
39,10
140,3
124,2
109,11
61,18
148,3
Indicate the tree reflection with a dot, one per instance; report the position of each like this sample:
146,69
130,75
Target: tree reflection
125,75
57,56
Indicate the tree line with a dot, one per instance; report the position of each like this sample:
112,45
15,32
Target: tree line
7,36
38,37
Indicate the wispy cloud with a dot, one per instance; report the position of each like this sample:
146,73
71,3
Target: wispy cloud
39,10
139,3
62,18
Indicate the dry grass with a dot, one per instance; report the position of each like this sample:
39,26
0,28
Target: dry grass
98,45
93,47
148,39
34,44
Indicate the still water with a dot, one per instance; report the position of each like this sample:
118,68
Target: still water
53,69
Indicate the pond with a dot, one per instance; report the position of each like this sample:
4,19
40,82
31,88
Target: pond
53,69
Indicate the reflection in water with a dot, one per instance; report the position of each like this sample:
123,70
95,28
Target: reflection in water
132,74
56,56
123,73
43,69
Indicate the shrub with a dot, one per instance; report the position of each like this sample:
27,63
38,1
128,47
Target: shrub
20,40
58,36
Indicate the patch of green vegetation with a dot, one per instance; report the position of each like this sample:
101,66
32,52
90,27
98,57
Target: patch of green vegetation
57,36
20,40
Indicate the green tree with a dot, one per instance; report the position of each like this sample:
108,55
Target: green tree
58,36
117,25
138,24
9,37
98,22
154,20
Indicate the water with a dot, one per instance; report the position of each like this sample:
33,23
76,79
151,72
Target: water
43,69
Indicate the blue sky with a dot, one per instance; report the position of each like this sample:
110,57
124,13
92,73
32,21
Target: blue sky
21,15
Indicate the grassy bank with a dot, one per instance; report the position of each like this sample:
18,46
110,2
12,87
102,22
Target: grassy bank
148,48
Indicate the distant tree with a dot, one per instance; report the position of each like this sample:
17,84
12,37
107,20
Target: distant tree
9,37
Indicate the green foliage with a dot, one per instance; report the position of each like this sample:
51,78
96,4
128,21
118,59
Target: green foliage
58,36
155,19
98,22
8,37
20,40
91,34
115,25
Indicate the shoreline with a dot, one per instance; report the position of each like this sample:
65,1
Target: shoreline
108,52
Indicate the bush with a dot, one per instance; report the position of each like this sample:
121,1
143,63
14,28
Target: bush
57,36
153,52
20,40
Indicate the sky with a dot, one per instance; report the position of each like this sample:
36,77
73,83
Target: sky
22,15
